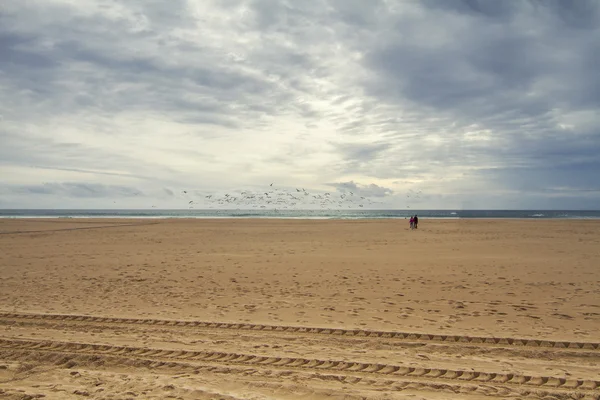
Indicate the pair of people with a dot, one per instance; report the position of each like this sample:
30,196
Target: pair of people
414,222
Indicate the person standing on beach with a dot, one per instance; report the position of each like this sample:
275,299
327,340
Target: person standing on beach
412,222
416,221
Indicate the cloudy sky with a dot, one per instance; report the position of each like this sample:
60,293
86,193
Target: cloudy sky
125,103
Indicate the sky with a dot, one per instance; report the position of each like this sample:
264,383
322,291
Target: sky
476,104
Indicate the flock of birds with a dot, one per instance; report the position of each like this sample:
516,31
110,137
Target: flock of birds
276,199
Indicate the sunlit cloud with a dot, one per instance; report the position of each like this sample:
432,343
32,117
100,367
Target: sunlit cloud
474,103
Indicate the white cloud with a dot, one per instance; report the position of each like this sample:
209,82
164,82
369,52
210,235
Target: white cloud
470,101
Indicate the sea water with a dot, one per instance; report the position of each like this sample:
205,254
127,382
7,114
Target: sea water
299,214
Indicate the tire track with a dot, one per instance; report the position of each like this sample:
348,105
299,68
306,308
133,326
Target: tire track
341,368
79,228
104,361
406,336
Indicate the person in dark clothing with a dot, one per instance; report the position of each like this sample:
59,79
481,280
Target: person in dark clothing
416,221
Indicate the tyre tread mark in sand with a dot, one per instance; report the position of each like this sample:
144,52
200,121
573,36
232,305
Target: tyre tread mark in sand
473,340
389,385
81,228
299,363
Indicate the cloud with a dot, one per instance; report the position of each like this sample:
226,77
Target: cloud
76,190
467,100
371,190
89,172
514,83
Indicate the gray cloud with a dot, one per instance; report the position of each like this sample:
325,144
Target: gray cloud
370,190
77,190
89,172
453,97
521,68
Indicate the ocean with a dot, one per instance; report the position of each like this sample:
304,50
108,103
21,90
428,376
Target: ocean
300,214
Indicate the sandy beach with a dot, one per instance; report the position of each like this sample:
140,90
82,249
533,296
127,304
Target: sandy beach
299,309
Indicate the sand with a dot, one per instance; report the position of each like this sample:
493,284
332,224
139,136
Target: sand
299,309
